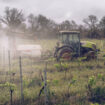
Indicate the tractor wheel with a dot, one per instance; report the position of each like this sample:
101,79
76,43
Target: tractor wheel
66,55
91,55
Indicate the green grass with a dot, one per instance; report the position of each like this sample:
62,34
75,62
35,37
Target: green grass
58,84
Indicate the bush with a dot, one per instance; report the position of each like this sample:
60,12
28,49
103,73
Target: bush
98,94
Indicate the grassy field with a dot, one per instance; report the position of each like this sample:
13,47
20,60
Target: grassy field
68,83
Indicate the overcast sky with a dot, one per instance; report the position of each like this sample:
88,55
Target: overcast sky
58,10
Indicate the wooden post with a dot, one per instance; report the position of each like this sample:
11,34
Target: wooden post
21,80
45,85
9,59
4,58
11,91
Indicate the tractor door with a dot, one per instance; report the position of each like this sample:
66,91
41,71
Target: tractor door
75,42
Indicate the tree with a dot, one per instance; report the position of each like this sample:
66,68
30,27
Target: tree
41,26
102,26
33,23
74,25
43,21
68,25
39,22
65,25
46,27
91,23
82,30
13,18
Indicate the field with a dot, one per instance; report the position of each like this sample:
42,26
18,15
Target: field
68,83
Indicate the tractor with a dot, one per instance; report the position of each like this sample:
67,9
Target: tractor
70,47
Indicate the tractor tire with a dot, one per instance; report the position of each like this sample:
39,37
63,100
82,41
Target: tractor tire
91,55
65,54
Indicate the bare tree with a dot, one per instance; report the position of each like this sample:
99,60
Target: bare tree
33,23
13,18
74,25
102,26
65,25
43,21
41,26
91,23
68,25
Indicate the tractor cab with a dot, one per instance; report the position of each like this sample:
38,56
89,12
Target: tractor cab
71,39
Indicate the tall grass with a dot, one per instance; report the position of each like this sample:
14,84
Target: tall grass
59,87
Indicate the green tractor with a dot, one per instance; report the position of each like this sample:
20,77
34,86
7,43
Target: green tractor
71,47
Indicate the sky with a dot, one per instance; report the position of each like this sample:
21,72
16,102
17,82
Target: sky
58,10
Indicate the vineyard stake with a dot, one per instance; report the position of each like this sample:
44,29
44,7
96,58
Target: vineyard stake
45,85
21,80
11,91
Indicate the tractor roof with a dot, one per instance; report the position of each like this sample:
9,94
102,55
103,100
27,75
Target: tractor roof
69,32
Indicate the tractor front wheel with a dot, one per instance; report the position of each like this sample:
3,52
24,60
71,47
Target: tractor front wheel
91,55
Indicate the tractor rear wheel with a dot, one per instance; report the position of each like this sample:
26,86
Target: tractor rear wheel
66,55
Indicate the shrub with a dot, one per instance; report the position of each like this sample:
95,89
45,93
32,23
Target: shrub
98,94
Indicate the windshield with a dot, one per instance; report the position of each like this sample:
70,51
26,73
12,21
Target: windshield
69,38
